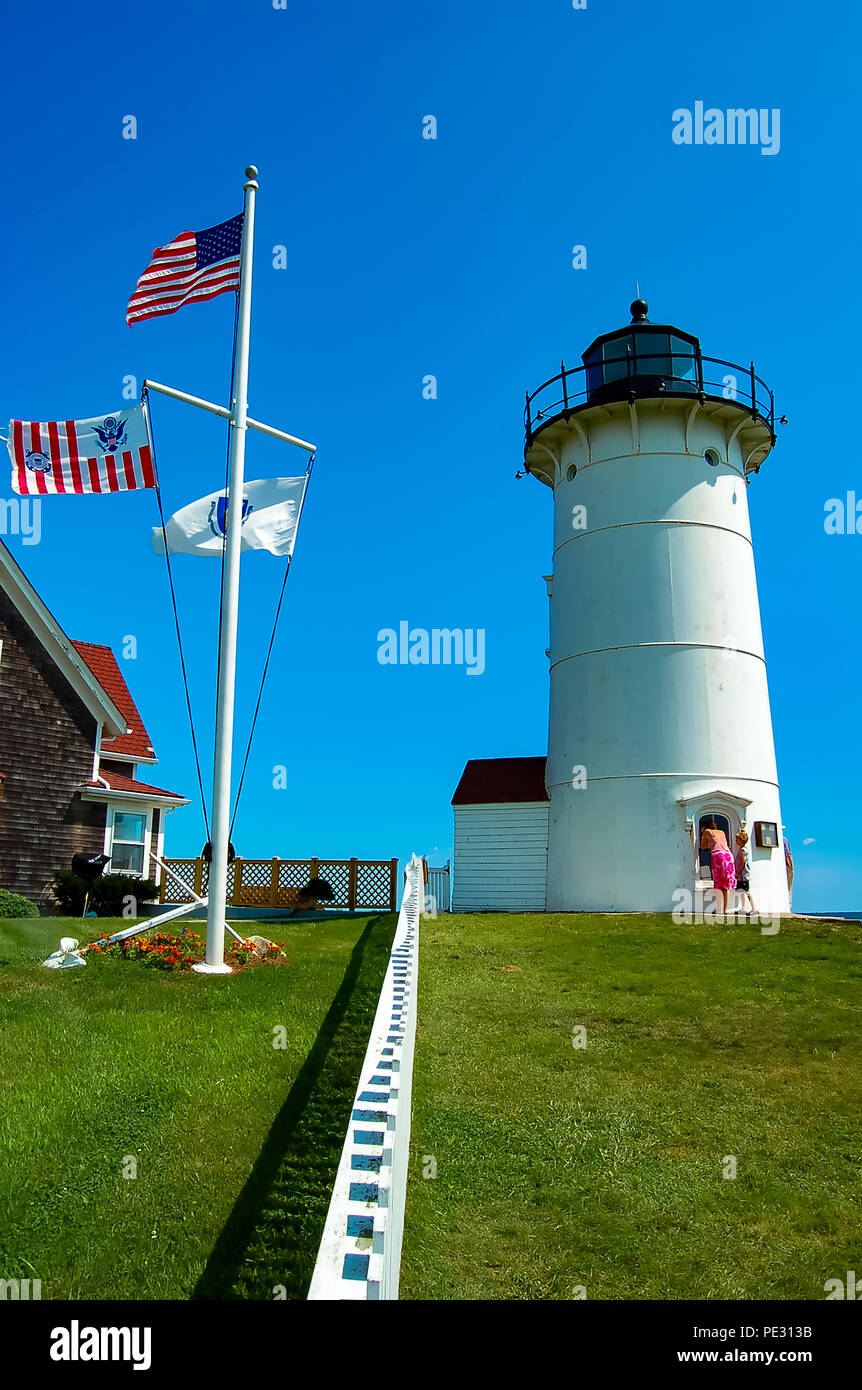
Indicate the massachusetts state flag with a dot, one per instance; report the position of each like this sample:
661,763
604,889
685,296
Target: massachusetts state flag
112,453
195,265
270,514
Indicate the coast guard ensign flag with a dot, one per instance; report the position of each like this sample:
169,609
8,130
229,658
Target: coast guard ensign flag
270,510
112,453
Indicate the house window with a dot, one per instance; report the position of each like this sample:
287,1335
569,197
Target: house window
128,842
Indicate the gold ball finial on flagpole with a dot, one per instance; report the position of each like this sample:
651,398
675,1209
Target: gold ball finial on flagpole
251,175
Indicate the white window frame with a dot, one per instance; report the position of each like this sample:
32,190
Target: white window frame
123,808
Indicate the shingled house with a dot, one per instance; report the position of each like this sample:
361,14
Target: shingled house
71,744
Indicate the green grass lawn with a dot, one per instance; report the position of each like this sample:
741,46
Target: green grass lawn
602,1167
236,1142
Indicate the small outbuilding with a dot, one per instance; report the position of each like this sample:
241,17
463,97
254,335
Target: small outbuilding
501,810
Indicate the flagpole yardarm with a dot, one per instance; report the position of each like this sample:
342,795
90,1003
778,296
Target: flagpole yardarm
217,888
223,411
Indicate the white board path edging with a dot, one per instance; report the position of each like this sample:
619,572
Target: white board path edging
360,1251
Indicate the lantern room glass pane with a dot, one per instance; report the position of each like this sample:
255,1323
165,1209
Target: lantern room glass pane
653,354
593,364
684,364
617,358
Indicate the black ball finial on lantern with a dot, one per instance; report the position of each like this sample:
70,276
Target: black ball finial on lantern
639,309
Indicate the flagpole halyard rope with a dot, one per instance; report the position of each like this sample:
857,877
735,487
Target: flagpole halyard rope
158,492
259,697
269,651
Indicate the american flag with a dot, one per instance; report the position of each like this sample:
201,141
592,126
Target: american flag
195,265
111,453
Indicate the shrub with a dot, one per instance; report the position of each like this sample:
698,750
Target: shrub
107,895
317,890
69,891
14,905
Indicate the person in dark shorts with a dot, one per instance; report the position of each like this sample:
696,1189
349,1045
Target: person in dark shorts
743,883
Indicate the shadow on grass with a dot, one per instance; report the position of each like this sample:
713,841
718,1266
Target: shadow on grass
272,1235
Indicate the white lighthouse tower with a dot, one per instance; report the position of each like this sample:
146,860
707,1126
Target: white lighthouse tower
659,707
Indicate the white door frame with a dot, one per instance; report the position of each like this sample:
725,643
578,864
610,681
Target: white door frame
728,804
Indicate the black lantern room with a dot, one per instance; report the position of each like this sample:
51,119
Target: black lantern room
647,361
643,359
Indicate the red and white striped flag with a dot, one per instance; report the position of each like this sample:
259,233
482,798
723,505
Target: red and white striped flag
194,266
112,453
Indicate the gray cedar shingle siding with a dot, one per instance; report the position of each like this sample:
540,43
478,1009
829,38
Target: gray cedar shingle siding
47,737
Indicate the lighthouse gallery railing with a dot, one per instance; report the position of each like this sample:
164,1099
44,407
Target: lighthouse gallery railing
573,387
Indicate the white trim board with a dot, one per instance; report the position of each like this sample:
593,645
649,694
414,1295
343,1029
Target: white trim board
140,798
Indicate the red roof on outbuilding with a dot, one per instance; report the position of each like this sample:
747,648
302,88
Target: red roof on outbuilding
489,781
103,664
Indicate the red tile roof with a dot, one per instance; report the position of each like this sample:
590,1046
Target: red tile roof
118,783
103,664
488,781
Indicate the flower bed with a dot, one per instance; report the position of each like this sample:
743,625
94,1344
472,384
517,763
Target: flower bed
166,951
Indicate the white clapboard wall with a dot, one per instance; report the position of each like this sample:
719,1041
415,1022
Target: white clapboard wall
501,857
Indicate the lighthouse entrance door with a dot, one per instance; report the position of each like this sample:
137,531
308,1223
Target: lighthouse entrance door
721,823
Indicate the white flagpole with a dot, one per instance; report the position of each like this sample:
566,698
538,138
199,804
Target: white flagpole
217,885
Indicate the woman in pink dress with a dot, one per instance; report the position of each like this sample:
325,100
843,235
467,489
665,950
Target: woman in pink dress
720,859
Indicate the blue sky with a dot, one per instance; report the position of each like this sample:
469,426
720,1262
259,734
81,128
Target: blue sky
450,257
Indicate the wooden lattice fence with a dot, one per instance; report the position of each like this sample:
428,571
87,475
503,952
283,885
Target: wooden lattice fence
358,884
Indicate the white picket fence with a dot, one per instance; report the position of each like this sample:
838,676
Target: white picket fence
360,1252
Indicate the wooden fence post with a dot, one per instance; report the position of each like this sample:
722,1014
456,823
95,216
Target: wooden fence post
273,884
352,876
198,877
393,884
162,885
313,868
235,898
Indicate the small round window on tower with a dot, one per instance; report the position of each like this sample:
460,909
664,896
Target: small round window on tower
713,457
571,471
